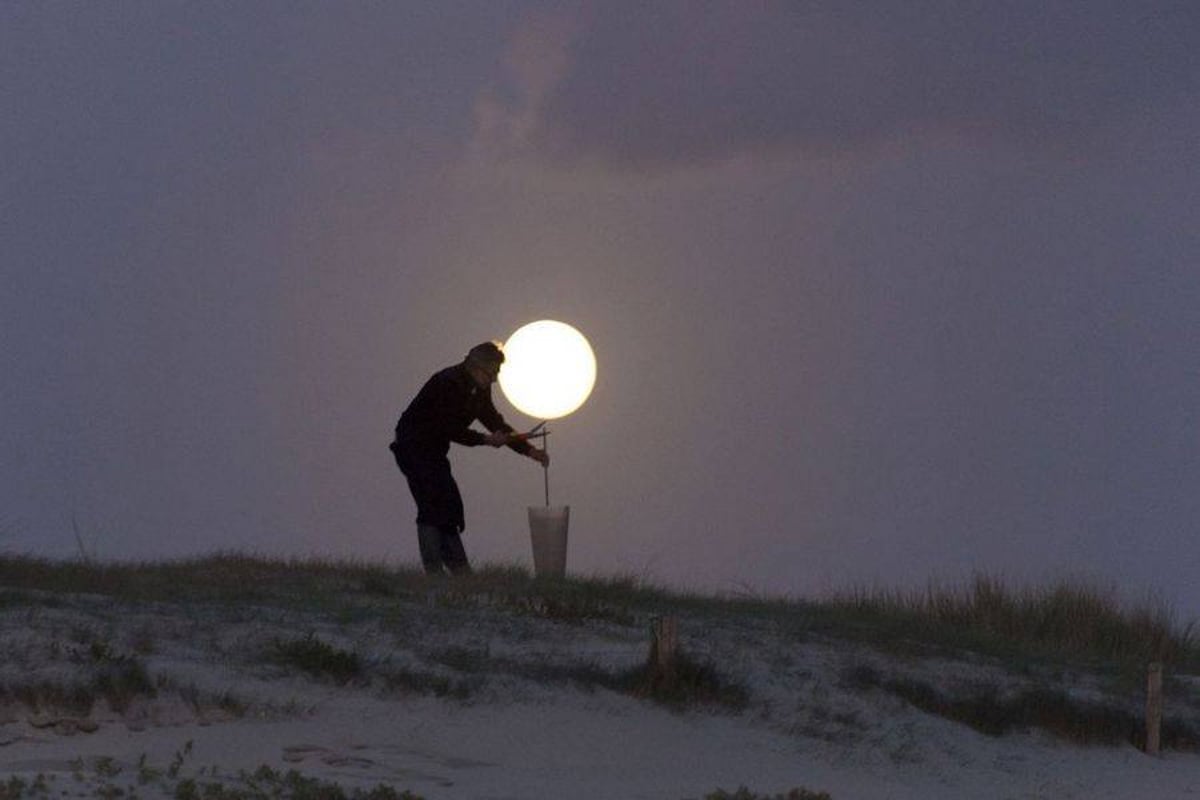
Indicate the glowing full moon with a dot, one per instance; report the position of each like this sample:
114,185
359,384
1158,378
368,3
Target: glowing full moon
549,369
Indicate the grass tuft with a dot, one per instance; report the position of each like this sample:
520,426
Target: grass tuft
1069,619
118,683
992,712
691,682
743,793
105,778
317,658
399,679
266,782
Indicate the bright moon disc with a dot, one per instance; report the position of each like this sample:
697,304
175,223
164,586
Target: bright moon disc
549,369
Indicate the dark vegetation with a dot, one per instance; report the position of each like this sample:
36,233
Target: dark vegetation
105,779
115,678
1061,629
691,682
745,794
1076,621
1066,621
269,784
319,659
990,711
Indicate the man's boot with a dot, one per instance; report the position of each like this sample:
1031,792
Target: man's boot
429,539
454,555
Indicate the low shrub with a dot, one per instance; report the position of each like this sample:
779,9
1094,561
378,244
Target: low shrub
1068,619
743,793
426,683
266,782
690,682
1055,711
319,659
118,683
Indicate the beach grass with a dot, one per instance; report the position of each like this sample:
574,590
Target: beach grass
991,710
742,793
1074,620
318,658
102,777
1068,627
1069,619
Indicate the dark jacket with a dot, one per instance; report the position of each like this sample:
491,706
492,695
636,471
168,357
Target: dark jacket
442,412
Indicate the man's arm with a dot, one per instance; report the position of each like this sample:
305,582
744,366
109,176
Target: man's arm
469,438
502,434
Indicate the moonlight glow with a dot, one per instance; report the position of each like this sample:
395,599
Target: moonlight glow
549,369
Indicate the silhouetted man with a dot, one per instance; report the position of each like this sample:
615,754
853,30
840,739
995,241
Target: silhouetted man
441,413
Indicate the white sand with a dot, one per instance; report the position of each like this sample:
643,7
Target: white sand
516,737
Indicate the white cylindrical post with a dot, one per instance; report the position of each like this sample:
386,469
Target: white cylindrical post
548,530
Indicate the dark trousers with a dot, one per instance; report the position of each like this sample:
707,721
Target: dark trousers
439,508
427,471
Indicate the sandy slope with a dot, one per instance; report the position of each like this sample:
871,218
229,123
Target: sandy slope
516,735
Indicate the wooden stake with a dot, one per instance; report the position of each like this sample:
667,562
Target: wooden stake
664,644
1154,708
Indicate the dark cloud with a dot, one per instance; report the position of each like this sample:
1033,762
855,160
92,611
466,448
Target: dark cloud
685,82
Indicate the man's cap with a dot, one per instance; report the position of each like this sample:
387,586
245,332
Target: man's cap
490,352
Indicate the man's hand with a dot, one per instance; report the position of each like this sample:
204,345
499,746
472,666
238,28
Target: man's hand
497,438
540,456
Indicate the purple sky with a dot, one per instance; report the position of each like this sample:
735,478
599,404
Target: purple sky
880,293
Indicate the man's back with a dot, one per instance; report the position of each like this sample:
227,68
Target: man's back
444,409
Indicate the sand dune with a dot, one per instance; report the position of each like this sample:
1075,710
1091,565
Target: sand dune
478,694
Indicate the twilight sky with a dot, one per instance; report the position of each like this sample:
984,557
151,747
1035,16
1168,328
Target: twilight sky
879,292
